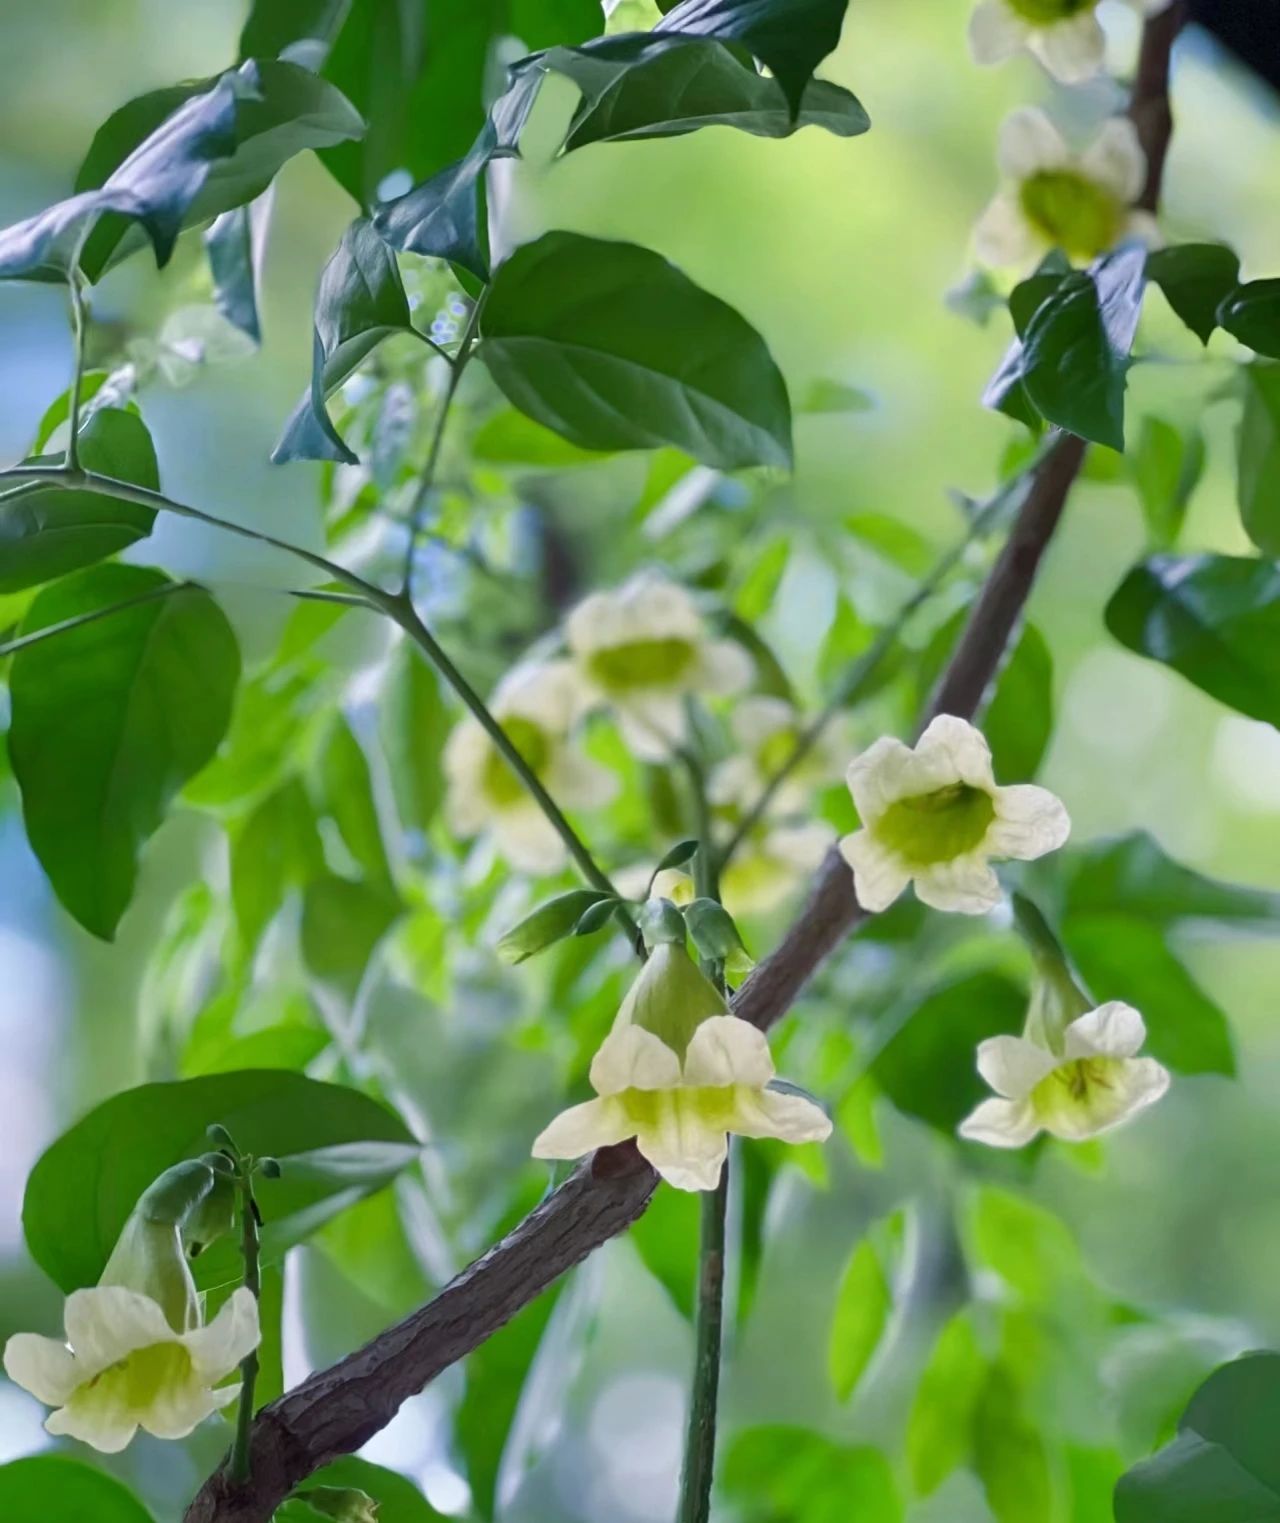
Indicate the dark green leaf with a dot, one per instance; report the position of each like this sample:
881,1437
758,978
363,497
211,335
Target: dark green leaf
549,923
1251,313
48,1488
444,217
928,1068
273,25
109,720
1224,1465
1213,618
864,1302
790,37
229,245
50,531
1195,278
342,923
595,917
680,853
793,1473
1132,874
335,1146
1258,456
611,346
360,302
1166,466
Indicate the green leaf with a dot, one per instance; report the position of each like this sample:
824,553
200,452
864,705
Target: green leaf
1009,1454
790,37
1131,874
334,1144
1124,956
445,216
927,1069
277,848
940,1429
595,917
46,1487
109,720
50,531
398,1499
549,923
611,346
414,723
510,438
1251,313
1165,465
793,1473
666,1238
1195,279
864,1303
825,397
233,264
343,920
1215,619
360,302
652,86
348,797
1224,1465
1258,456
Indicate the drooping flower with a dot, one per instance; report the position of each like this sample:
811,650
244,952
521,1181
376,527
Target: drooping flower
1080,203
535,706
771,864
641,650
678,1073
1065,35
1092,1082
124,1367
934,815
766,731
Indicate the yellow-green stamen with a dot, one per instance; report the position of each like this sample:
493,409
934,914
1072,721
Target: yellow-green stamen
641,664
938,826
500,783
1073,213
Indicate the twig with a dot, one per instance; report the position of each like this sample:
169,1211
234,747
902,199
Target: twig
78,620
700,1437
250,1248
79,329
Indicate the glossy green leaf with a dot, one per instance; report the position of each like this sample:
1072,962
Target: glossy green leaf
864,1303
511,438
940,1428
1215,619
360,302
1195,279
1251,313
398,1500
347,787
1224,1464
109,720
1131,874
277,848
50,531
549,923
343,920
1166,465
611,346
781,1471
927,1069
335,1146
790,37
445,217
49,1488
1258,456
233,262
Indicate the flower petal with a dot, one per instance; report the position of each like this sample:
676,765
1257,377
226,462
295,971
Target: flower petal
1115,159
578,781
724,667
651,723
1128,1086
1013,1066
954,751
685,1147
631,1057
102,1425
759,718
1113,1030
966,885
233,1334
777,1113
44,1366
1003,238
1073,49
877,777
106,1322
545,692
528,839
179,1409
582,1129
1000,1124
1144,227
996,33
1028,143
1029,822
727,1050
879,875
799,846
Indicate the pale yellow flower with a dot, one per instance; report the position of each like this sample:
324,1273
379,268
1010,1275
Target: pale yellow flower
1065,35
934,815
679,1073
1052,197
765,731
1093,1083
641,650
535,705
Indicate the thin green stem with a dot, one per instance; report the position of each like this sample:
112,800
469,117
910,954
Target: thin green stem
426,486
860,673
79,331
700,1432
706,865
77,621
249,1247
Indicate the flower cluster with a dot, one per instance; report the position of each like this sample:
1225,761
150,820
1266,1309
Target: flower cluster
1064,35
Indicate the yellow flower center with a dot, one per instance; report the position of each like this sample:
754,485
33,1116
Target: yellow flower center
1084,1088
1046,12
776,751
938,826
530,739
138,1381
1072,212
651,1110
641,663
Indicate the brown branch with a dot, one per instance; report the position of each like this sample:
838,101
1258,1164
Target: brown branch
335,1411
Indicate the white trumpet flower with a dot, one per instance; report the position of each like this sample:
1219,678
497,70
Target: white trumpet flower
1080,203
934,815
1094,1083
123,1367
679,1073
641,650
766,731
1065,35
535,706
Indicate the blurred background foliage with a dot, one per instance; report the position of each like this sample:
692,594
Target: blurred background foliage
922,1329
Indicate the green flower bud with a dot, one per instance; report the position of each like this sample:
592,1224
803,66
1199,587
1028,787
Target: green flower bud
714,933
269,1168
662,924
344,1504
213,1218
148,1258
671,997
221,1138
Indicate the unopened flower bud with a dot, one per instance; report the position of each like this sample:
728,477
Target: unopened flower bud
344,1504
662,924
